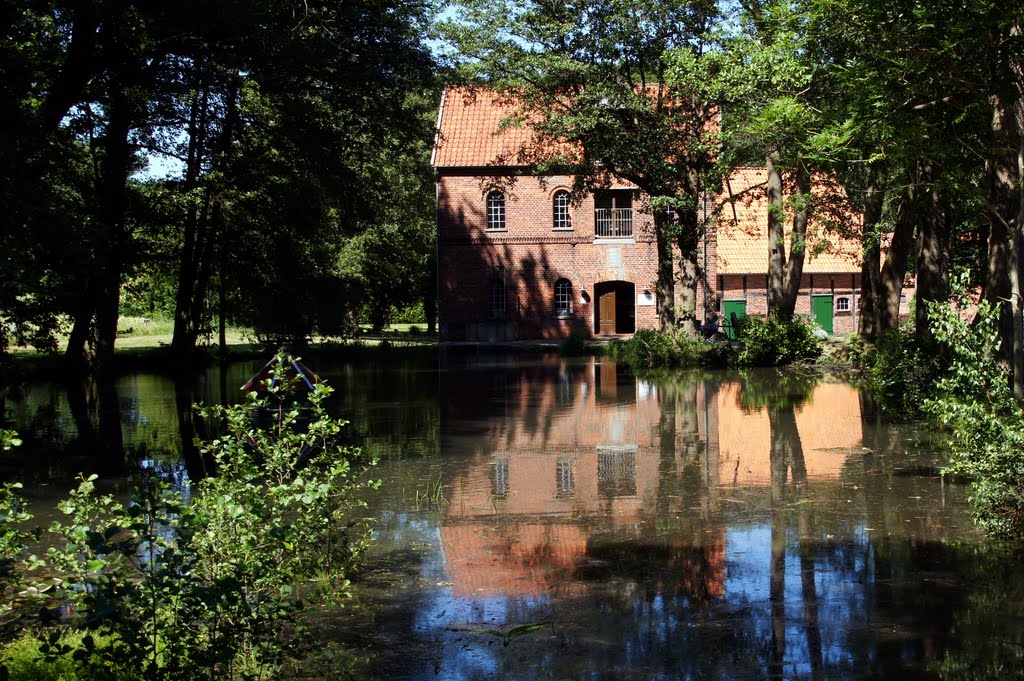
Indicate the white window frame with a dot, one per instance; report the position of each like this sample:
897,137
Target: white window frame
496,211
561,214
563,298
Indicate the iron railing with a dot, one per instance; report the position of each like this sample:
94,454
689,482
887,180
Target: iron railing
613,223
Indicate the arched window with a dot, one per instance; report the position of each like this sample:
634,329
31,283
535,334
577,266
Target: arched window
563,298
495,211
560,208
496,299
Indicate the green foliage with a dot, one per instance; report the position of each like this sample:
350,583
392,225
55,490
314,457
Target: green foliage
12,538
211,585
772,342
410,314
653,349
29,657
974,402
899,371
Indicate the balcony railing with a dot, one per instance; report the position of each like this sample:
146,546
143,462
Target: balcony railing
613,223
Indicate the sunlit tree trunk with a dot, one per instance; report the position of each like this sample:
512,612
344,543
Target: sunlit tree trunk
688,241
784,272
666,290
797,241
895,267
1015,270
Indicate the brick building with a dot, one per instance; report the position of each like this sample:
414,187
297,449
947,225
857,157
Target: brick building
520,258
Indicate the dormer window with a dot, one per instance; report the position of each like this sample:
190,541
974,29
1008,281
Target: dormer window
495,212
562,220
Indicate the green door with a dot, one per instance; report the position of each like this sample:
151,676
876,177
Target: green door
732,310
822,307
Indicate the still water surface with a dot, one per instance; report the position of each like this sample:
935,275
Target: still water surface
551,518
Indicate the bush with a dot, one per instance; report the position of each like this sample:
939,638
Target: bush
771,342
210,583
412,314
652,349
30,657
973,400
900,372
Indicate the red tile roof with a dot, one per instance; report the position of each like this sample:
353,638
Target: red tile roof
470,131
743,229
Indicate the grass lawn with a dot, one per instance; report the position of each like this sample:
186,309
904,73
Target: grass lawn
138,337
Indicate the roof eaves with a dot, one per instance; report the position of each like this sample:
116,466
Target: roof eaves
437,128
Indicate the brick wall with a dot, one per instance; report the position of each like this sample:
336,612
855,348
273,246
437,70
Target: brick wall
752,288
530,256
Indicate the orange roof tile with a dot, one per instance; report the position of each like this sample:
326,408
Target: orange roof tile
476,128
743,229
470,133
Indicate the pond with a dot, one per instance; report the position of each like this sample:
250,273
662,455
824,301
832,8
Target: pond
564,518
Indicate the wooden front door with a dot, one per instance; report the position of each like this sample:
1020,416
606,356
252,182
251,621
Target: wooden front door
606,307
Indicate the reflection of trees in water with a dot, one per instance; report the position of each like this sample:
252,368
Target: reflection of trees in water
780,393
96,410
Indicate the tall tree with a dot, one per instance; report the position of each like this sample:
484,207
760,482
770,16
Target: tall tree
777,116
592,80
273,102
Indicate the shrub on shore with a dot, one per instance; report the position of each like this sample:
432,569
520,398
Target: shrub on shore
207,582
650,349
771,342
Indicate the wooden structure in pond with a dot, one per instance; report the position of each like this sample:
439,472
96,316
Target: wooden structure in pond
283,369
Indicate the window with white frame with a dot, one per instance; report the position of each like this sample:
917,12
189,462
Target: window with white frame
560,208
563,298
495,211
499,479
496,299
842,304
565,478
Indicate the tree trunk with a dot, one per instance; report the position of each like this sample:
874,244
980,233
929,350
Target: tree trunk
78,355
77,69
690,231
666,292
689,275
798,244
193,240
222,307
871,268
776,236
1016,269
895,267
1003,202
115,170
430,312
930,254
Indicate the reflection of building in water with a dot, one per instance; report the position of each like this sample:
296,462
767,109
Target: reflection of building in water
580,459
828,426
590,453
